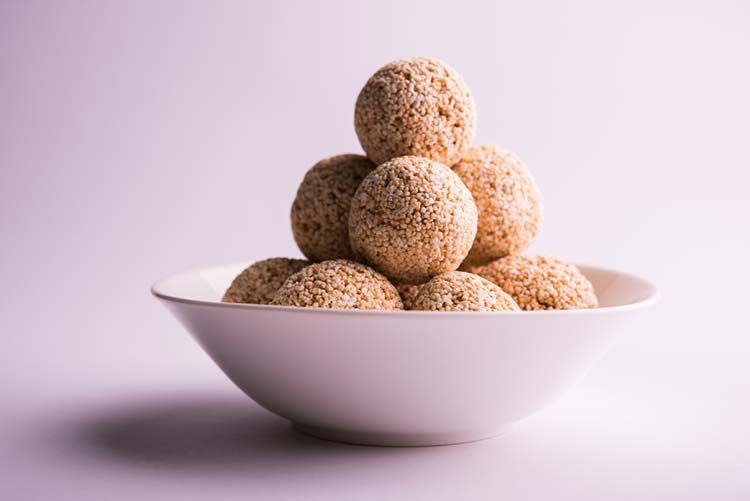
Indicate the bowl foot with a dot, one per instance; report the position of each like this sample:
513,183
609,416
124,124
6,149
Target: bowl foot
398,439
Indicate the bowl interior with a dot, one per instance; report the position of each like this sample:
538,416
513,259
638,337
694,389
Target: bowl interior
207,285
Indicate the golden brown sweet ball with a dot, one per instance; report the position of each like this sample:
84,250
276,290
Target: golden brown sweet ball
411,219
541,282
320,212
508,201
417,107
339,284
408,293
460,291
258,283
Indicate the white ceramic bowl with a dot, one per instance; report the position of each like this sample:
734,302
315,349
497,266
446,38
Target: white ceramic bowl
405,377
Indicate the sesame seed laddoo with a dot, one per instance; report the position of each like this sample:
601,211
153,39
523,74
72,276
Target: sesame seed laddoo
507,198
418,107
259,282
460,291
411,219
339,284
541,282
408,293
320,211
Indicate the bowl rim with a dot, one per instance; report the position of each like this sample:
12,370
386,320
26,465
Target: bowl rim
651,297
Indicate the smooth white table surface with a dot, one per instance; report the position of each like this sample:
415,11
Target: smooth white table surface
142,139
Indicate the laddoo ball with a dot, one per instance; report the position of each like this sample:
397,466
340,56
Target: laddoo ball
416,106
461,291
541,282
508,202
339,284
408,293
320,211
411,219
258,283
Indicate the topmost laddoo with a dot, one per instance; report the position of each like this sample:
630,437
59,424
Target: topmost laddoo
416,107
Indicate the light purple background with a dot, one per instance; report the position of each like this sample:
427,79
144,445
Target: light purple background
143,138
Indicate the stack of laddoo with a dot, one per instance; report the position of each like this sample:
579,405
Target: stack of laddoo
424,221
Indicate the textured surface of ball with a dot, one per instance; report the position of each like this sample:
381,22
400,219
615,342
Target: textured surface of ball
508,201
541,282
339,284
460,291
417,107
408,293
258,283
320,211
411,219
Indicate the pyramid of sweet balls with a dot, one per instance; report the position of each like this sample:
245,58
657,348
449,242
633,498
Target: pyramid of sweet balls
424,221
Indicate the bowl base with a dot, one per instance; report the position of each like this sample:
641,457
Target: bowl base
398,439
